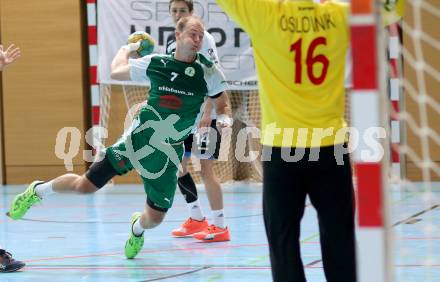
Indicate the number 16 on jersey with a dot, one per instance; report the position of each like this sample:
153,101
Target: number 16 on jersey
311,60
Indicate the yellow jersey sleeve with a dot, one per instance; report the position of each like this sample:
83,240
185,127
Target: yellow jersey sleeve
300,50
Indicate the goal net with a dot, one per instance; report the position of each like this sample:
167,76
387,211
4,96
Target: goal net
414,73
396,43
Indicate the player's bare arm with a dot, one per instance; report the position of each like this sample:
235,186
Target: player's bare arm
223,108
120,69
205,121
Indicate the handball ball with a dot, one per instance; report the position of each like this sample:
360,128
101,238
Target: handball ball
147,42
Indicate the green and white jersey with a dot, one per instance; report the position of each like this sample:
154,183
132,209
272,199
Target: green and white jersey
177,87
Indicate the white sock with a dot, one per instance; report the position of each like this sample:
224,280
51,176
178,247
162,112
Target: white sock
218,218
195,210
44,189
137,228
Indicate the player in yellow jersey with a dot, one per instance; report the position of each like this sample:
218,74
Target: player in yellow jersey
300,49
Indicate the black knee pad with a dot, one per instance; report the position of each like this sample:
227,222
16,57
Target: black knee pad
101,172
188,188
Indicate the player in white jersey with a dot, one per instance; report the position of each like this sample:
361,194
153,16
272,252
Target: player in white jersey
205,146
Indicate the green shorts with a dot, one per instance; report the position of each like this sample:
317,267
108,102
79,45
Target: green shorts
159,174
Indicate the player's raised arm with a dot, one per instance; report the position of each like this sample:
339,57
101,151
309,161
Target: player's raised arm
254,16
120,69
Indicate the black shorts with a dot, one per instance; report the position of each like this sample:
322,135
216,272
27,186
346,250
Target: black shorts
317,168
206,146
325,179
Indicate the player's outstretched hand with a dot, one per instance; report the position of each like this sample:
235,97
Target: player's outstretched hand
9,56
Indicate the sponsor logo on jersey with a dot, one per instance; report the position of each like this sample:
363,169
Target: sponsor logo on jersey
176,91
190,71
121,164
170,102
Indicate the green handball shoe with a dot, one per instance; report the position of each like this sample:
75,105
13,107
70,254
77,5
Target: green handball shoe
24,201
134,243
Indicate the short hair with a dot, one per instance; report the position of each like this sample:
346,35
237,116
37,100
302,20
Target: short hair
181,24
188,3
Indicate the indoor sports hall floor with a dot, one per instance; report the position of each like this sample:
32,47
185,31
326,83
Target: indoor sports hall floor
81,238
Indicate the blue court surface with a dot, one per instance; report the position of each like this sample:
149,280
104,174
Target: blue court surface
81,238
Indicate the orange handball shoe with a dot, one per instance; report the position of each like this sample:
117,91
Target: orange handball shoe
189,227
213,234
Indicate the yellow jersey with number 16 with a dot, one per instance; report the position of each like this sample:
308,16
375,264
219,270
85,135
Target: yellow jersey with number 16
300,50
